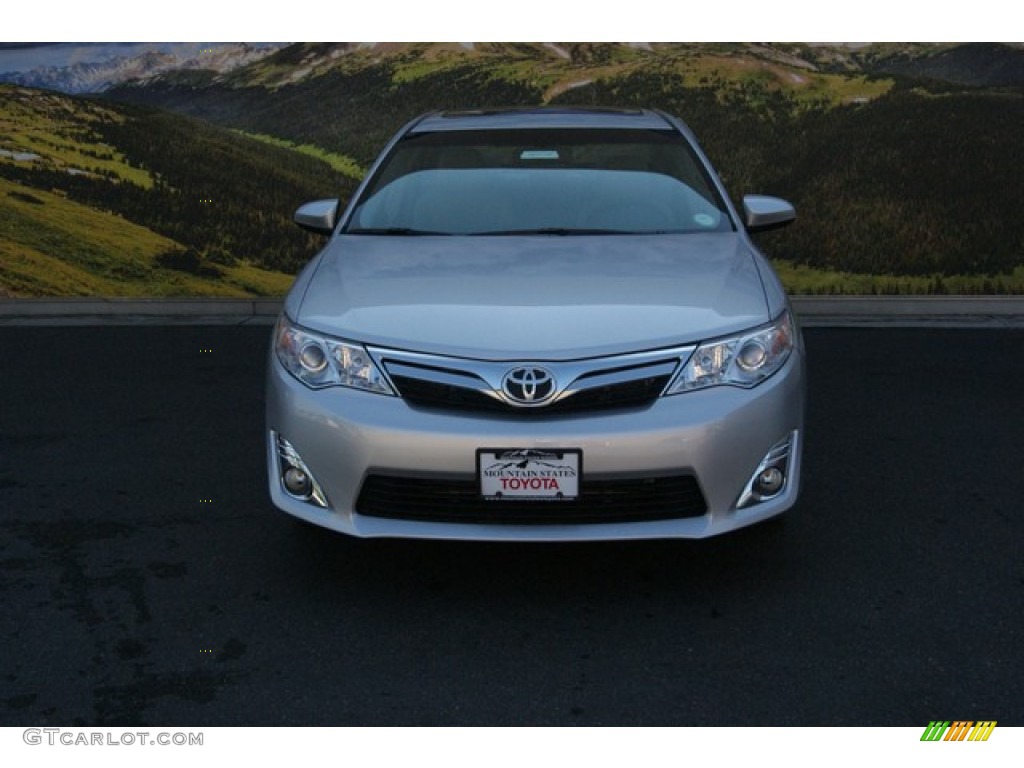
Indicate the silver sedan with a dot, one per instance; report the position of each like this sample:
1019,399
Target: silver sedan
537,325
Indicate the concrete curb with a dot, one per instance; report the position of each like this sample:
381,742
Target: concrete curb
90,311
910,311
813,311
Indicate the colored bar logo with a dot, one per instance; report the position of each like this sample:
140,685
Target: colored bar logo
958,730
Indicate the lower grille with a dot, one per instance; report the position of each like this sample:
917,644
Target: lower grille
601,501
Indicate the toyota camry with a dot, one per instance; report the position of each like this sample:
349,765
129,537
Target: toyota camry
537,325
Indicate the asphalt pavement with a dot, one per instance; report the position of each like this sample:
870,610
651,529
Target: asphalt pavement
147,580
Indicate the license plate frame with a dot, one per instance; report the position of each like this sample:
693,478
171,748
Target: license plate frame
551,475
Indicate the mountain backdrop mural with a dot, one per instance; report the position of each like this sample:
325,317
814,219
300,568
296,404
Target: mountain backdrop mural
166,170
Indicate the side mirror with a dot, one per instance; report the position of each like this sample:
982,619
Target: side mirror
318,216
763,213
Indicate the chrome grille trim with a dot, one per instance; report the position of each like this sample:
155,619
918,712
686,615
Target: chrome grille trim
602,379
481,380
459,379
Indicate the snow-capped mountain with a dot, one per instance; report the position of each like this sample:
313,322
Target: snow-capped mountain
99,75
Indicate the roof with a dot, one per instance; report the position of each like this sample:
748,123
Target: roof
540,117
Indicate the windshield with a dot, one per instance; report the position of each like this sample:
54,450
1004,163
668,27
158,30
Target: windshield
553,181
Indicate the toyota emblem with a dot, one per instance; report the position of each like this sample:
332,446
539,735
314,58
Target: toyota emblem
529,385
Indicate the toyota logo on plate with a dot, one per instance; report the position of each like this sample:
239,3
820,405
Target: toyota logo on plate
529,385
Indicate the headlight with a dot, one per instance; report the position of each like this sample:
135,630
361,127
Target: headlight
743,361
318,361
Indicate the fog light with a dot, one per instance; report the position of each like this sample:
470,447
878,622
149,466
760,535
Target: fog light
296,479
770,481
297,482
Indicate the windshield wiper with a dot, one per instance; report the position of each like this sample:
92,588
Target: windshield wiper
392,231
559,231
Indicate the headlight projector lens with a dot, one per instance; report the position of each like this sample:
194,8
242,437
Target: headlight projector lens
313,358
752,356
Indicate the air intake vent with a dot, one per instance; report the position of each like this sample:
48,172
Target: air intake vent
602,501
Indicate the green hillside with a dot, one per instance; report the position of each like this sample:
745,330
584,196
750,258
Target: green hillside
902,159
901,183
64,133
350,99
102,199
972,64
52,246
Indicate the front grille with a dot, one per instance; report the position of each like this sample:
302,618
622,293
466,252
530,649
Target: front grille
628,381
432,394
637,393
601,501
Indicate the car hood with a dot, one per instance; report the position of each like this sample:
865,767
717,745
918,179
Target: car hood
533,297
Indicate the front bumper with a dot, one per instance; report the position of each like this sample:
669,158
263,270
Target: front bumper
719,435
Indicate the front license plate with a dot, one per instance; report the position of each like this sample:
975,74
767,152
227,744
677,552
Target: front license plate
529,473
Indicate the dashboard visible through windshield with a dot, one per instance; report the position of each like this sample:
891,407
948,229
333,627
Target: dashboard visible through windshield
552,181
